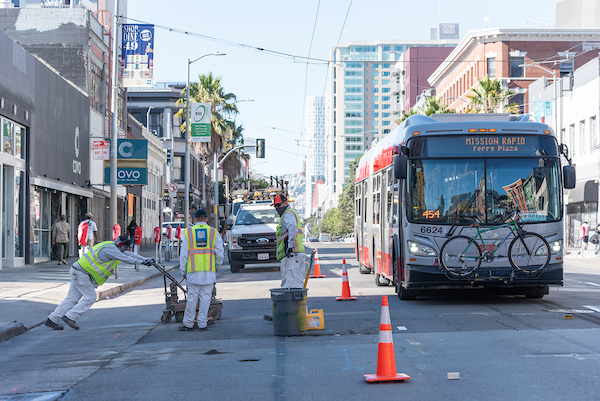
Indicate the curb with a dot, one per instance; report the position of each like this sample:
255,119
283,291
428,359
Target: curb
15,329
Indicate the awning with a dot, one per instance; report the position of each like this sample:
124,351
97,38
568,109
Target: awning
584,192
59,186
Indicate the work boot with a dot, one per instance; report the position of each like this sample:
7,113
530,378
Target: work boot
268,318
52,325
70,322
185,328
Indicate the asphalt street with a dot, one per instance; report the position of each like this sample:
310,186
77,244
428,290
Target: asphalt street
500,348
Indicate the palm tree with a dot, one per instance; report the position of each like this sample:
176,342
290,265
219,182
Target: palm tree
223,108
232,165
490,97
432,106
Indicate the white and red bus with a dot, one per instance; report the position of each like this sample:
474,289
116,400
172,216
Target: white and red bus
417,186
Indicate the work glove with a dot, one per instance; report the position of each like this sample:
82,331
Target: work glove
290,252
148,262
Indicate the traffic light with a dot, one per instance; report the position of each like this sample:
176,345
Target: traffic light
168,152
260,148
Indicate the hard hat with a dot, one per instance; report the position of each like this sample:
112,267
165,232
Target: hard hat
279,198
122,240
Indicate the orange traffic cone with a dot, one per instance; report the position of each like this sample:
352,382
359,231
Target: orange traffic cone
317,269
386,363
345,286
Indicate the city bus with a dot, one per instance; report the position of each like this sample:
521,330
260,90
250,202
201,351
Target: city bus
454,174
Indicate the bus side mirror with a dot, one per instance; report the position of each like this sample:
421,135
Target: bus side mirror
569,177
400,165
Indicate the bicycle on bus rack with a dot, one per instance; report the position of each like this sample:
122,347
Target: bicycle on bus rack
461,255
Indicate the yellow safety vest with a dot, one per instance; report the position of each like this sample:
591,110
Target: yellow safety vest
281,237
201,240
98,269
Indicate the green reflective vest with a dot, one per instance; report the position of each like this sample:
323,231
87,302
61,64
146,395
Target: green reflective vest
201,240
98,269
282,236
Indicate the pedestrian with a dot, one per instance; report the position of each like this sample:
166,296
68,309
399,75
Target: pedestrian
60,238
89,272
595,239
131,230
290,246
200,257
92,233
585,235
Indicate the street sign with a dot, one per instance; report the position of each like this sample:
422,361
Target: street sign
101,150
200,114
172,188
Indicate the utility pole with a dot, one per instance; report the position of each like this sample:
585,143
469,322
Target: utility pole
114,125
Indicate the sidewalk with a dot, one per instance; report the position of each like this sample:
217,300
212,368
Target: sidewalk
30,293
588,255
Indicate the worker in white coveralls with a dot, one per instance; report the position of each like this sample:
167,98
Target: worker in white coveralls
90,271
201,255
290,246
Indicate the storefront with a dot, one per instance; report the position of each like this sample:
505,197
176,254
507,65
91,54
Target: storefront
582,206
12,191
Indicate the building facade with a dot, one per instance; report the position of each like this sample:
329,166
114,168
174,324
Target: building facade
361,102
578,105
503,54
315,153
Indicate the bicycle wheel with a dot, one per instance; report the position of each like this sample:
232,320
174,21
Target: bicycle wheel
460,255
529,253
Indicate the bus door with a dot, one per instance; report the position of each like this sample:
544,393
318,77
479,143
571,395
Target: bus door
358,227
365,215
387,231
376,224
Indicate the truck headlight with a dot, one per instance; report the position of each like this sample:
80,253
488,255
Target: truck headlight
421,250
234,242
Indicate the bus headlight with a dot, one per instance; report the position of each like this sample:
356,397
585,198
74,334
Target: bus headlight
555,247
421,250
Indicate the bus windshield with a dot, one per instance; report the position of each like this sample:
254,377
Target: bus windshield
441,190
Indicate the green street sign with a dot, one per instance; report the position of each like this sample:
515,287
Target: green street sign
200,115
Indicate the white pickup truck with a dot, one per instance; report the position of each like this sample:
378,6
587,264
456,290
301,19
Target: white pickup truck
251,238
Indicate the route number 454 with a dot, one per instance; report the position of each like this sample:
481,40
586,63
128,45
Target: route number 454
431,214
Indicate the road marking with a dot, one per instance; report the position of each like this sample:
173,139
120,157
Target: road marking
587,282
401,328
592,308
418,346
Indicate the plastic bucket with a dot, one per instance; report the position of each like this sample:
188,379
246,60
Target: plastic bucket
289,311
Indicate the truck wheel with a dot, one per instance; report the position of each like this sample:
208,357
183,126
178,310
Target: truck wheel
235,268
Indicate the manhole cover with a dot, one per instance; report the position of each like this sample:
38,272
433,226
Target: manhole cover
568,311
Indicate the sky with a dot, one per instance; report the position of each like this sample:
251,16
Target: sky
274,79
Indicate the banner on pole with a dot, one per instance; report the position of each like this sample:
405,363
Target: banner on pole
138,55
200,115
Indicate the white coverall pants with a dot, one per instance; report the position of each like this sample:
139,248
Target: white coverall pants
195,291
293,271
81,297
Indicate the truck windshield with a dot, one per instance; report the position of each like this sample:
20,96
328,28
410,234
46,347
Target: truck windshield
440,190
247,217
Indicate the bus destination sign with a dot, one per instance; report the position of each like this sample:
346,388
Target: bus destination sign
495,143
484,146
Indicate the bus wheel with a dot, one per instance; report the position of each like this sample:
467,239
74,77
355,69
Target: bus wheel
363,269
381,281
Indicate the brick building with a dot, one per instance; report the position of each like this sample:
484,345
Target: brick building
500,53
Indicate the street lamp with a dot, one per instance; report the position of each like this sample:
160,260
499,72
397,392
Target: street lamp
555,100
186,200
148,117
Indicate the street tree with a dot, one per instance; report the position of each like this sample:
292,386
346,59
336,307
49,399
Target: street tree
491,97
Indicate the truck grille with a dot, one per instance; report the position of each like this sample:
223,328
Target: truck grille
257,241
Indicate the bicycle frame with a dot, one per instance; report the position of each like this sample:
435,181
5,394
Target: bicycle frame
514,226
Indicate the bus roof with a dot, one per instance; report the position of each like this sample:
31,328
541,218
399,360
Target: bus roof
382,155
